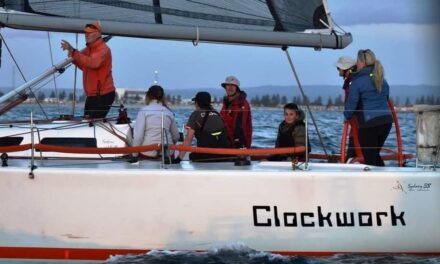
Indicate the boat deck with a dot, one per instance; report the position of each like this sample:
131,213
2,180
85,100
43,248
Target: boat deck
257,166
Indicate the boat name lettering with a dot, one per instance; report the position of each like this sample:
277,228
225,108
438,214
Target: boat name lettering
414,187
265,215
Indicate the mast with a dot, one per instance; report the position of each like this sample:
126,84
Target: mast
317,39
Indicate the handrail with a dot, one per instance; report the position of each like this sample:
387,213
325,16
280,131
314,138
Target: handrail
239,152
15,148
398,135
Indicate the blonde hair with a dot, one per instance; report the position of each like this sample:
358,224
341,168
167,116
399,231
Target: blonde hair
368,57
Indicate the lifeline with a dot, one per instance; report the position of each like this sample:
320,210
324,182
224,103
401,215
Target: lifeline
323,219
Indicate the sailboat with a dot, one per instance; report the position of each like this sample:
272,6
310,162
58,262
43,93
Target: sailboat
58,202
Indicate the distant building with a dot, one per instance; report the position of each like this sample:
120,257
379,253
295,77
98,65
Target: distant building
131,96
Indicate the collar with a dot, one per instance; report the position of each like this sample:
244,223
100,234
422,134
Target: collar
95,43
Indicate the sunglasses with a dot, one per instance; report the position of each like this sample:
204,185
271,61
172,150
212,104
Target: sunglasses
364,54
91,26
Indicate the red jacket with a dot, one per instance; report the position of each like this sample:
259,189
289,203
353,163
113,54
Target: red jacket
96,63
230,113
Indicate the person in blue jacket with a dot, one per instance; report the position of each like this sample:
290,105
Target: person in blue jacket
369,92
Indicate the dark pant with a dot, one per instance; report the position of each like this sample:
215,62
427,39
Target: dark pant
351,149
371,140
98,106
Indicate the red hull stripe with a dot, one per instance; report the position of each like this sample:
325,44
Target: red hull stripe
103,254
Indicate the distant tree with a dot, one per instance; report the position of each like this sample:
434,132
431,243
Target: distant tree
52,95
137,98
329,102
283,100
70,97
41,96
274,100
168,98
305,100
179,99
422,100
318,101
62,95
407,102
437,102
265,100
255,101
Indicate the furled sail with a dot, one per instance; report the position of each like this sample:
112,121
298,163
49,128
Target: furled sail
254,22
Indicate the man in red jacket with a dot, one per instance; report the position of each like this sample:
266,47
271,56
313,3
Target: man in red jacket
96,63
236,113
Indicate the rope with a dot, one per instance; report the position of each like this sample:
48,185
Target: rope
239,152
22,75
303,95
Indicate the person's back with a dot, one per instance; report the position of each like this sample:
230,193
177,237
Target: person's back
372,103
148,126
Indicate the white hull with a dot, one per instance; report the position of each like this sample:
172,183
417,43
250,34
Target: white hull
120,206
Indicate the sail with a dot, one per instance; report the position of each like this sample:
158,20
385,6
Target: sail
259,22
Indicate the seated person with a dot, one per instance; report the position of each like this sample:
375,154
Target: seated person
208,128
148,126
291,133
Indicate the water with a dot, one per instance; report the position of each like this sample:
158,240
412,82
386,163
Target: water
265,124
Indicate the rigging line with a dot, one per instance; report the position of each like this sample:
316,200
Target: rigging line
74,79
53,74
304,96
22,75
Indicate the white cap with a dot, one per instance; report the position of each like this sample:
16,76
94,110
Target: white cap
231,80
345,62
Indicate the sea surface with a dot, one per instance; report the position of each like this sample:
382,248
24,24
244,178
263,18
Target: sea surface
265,124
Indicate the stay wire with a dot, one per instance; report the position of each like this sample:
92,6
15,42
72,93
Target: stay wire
304,96
22,75
53,74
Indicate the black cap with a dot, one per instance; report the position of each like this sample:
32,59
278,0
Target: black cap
202,98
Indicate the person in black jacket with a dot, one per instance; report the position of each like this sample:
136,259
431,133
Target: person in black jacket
291,133
206,125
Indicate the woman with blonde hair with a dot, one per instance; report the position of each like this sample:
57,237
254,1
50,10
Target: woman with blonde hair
148,127
369,92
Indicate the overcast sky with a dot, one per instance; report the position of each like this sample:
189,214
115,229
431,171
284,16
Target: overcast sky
404,34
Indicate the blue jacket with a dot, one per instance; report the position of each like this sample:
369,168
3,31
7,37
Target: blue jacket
364,97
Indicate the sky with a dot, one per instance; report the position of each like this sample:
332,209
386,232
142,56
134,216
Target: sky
404,34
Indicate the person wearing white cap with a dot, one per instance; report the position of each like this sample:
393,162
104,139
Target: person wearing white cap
236,113
346,66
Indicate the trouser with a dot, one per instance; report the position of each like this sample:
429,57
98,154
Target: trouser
371,140
351,149
98,106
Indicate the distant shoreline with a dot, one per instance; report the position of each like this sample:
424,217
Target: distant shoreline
314,108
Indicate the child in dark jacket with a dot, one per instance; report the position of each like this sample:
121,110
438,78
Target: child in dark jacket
291,133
